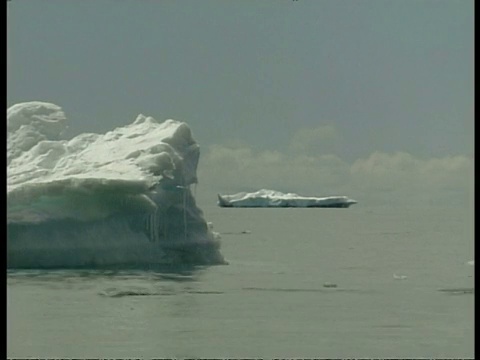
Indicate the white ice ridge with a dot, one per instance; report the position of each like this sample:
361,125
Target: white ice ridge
271,198
102,199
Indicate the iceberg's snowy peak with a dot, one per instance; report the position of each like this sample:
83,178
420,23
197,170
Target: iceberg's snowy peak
272,198
100,199
30,123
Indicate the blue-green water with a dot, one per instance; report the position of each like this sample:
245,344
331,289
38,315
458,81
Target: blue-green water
357,282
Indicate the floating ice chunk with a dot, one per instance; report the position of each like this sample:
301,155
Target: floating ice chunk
271,198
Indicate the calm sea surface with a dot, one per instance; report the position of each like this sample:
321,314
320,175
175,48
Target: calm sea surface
357,282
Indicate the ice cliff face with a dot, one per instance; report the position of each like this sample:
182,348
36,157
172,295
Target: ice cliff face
118,198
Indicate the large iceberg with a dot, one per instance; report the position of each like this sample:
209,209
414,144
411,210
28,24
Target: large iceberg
272,198
121,198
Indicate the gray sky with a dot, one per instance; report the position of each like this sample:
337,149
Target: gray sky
333,88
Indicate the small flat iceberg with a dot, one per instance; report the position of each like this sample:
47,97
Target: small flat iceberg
272,198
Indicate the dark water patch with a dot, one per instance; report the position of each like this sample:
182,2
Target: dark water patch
115,293
119,293
387,233
75,279
283,289
393,326
330,285
359,268
205,292
395,233
136,291
458,291
170,272
243,232
307,290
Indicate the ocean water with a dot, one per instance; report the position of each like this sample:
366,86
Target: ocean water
357,282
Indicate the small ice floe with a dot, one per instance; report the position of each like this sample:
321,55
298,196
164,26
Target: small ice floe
329,285
399,277
471,262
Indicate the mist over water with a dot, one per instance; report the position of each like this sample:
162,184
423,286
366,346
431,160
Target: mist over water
362,282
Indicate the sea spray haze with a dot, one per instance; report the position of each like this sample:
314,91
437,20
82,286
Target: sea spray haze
120,198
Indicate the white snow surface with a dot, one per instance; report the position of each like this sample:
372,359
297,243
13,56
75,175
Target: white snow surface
129,161
138,174
272,198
